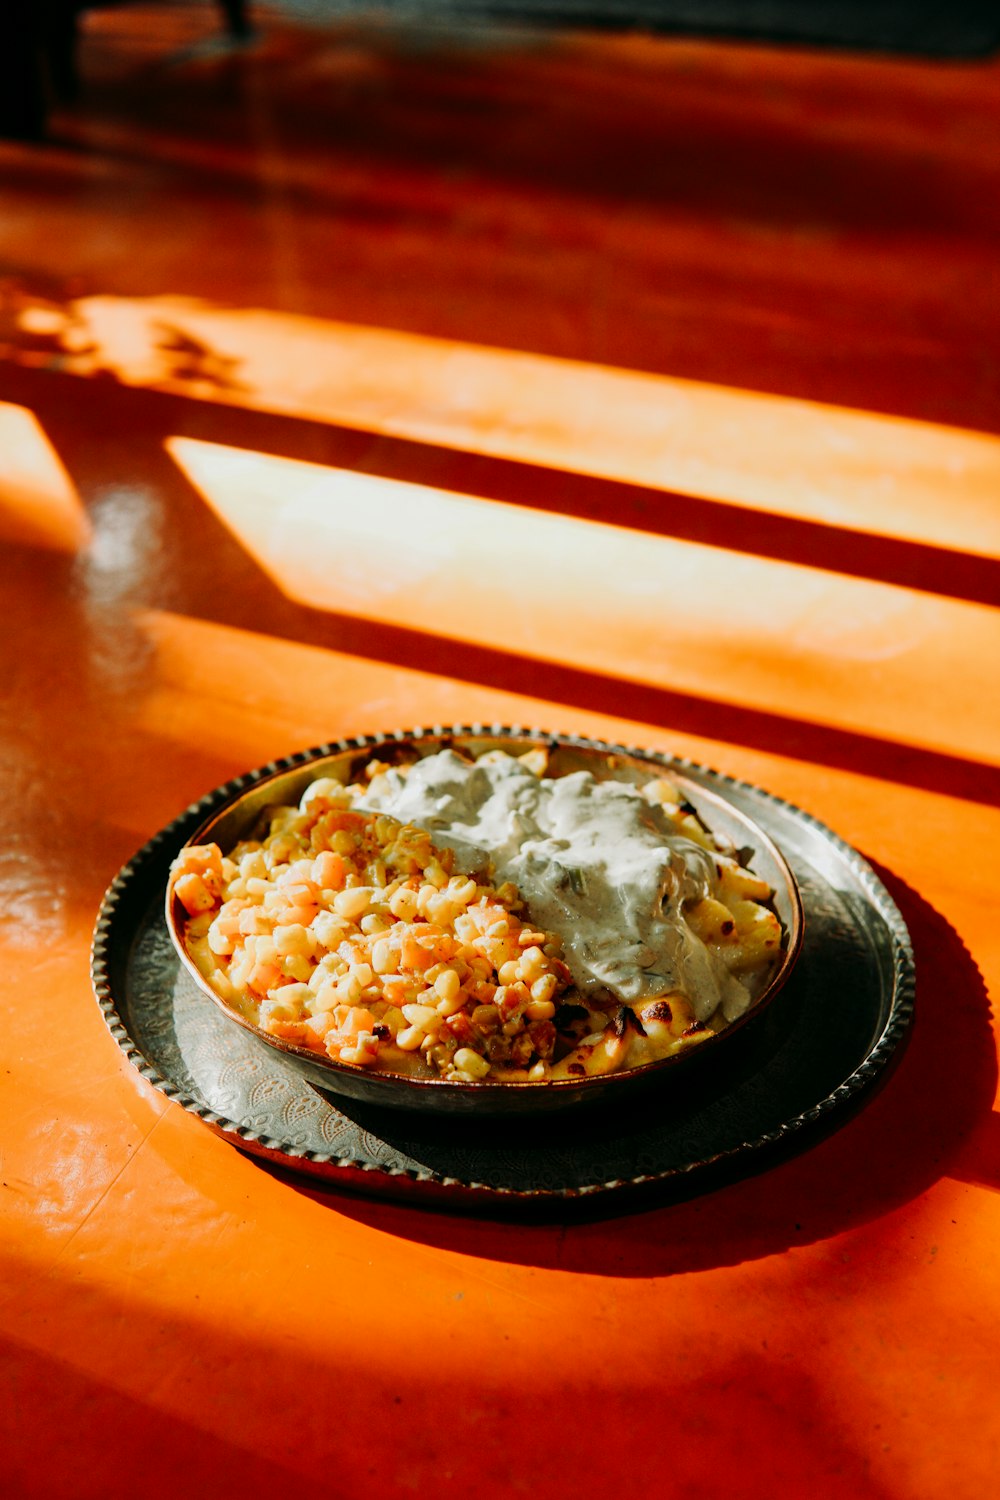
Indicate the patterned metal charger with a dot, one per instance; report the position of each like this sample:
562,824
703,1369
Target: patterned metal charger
826,1042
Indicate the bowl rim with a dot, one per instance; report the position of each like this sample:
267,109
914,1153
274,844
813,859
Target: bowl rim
402,1089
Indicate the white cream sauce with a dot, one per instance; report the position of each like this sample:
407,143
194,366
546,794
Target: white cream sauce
594,860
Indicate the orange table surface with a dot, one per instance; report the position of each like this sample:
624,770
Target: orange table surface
648,390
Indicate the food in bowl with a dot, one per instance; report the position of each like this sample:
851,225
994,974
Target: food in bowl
478,920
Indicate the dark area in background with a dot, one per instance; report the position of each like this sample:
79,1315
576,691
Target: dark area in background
38,41
38,57
929,27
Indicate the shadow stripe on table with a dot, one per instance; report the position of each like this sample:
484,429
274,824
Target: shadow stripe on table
677,712
153,415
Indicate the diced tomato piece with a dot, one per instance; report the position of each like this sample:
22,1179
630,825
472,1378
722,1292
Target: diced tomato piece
329,871
414,955
461,1028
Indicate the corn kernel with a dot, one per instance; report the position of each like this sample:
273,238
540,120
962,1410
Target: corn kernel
324,998
328,929
360,1055
298,967
285,1004
395,1020
353,903
424,1016
470,1063
382,957
544,988
531,965
447,984
264,950
442,909
465,928
462,889
451,1007
291,939
348,989
222,986
404,904
253,865
219,942
425,896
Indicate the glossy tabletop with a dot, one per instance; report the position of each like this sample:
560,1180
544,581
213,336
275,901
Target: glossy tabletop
376,374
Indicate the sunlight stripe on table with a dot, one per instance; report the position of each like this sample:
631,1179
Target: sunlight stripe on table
798,641
866,472
39,505
251,696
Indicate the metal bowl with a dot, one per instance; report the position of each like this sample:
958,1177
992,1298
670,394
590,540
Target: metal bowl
243,802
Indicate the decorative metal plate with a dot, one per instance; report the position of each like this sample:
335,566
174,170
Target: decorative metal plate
826,1041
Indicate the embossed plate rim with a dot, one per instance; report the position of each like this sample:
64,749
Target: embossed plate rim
372,1176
